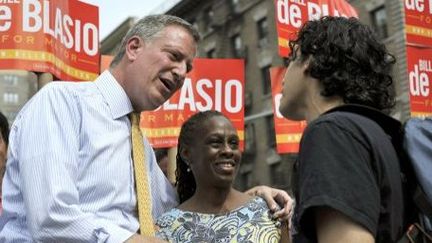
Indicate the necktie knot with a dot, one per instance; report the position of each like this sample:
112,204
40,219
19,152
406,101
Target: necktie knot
134,118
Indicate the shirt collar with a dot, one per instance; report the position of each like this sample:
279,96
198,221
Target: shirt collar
114,94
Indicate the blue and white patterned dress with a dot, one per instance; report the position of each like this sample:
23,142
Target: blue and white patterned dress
251,222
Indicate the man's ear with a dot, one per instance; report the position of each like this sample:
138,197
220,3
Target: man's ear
306,64
133,46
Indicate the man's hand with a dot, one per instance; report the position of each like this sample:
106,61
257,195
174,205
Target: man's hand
275,199
136,238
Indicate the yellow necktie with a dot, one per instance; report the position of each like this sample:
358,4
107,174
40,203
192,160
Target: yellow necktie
141,179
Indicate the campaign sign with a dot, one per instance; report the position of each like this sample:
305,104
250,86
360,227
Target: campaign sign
213,84
59,37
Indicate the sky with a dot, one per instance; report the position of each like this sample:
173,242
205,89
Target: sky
113,12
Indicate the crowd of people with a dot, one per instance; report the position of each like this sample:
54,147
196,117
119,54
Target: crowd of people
70,172
80,186
210,209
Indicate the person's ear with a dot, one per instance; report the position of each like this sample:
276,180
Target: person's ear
306,65
184,154
133,46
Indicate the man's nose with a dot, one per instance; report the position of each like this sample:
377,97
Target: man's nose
180,72
181,69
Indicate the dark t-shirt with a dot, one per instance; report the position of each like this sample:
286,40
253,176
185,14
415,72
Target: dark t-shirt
347,162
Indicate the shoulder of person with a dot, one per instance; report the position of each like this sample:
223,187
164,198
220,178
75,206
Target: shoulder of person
355,115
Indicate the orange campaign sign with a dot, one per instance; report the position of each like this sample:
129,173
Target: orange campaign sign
419,62
213,84
418,22
288,133
59,37
292,14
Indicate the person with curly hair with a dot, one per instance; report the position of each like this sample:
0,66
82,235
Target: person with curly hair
347,182
71,173
210,209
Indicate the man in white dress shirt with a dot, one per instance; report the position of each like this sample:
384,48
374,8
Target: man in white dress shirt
69,175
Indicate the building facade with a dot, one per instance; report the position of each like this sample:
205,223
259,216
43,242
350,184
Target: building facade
17,87
246,29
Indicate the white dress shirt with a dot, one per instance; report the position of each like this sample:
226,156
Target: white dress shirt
69,175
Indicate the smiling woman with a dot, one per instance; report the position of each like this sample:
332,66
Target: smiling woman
211,210
209,148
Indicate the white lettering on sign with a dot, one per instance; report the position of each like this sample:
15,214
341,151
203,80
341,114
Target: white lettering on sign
315,11
289,13
425,65
9,1
36,16
227,95
419,82
430,6
417,5
277,99
5,18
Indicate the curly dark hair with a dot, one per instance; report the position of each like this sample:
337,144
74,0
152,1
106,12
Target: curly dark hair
4,128
185,181
348,60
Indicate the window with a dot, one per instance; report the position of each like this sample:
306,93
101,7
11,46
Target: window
250,138
266,83
211,53
237,46
379,22
10,80
194,24
208,19
248,100
10,98
271,138
234,4
262,25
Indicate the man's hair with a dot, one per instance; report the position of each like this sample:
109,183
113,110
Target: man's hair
348,60
147,28
189,132
4,127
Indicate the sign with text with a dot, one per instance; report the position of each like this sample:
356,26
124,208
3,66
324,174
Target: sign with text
418,22
292,14
213,84
288,133
419,62
59,37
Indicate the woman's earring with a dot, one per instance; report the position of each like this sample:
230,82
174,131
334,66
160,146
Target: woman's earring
188,165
